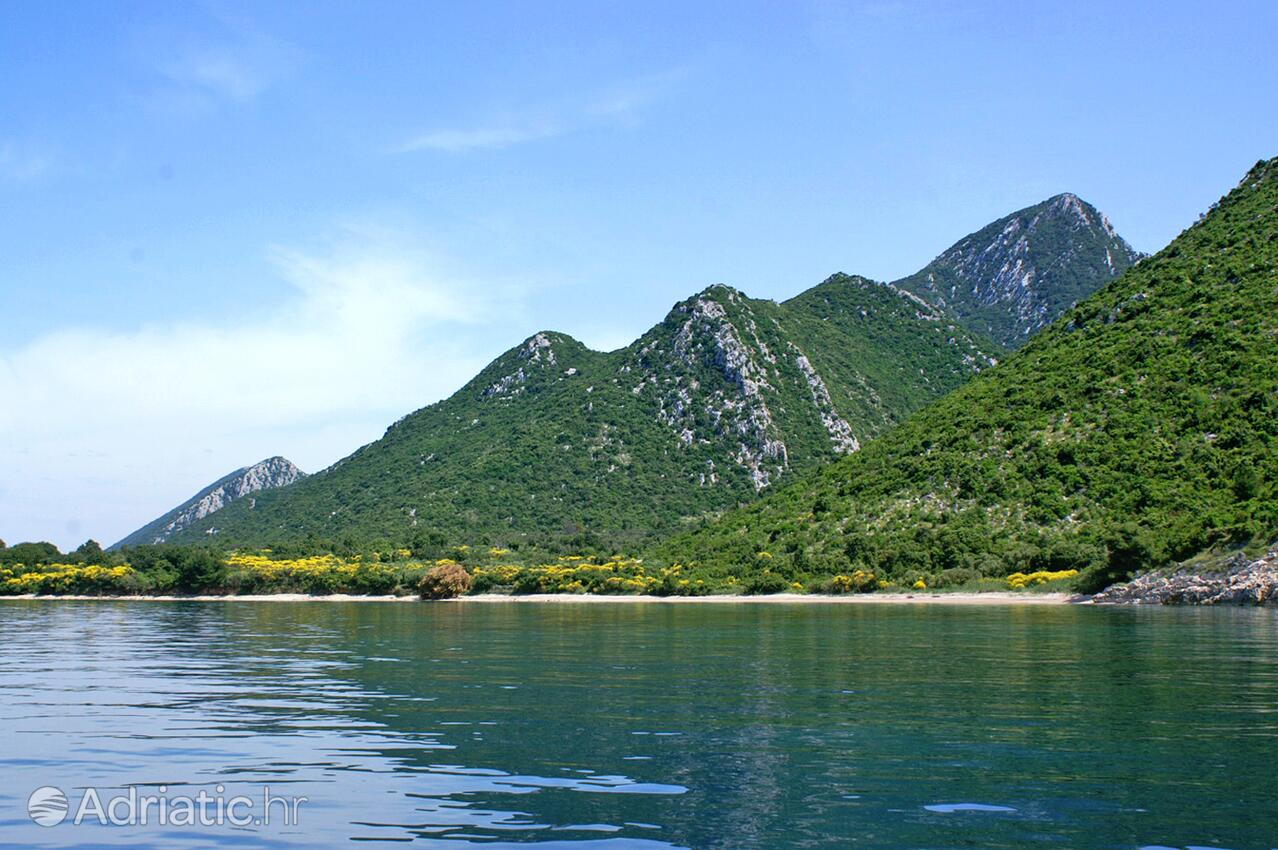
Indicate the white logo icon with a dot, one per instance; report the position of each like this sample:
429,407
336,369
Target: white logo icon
47,806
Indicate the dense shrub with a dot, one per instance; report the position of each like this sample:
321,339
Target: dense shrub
956,576
529,582
181,569
444,581
766,583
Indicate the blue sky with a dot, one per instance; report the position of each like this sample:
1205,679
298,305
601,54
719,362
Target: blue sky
232,230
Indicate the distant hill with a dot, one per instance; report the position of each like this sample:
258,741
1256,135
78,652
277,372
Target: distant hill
1016,275
270,473
1138,429
556,444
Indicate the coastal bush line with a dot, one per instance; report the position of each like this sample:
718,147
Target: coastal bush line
175,570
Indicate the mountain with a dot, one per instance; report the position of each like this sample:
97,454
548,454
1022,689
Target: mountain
558,446
268,474
1015,276
554,444
1137,430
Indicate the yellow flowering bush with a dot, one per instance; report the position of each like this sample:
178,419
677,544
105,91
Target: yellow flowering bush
66,578
580,574
495,576
249,572
1020,581
860,581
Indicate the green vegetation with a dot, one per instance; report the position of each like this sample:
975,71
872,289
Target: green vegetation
1136,431
187,570
163,569
39,568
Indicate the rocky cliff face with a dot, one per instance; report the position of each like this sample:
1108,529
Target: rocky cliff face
270,473
1019,274
710,381
751,380
1237,580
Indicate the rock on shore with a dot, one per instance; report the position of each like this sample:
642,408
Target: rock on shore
1238,580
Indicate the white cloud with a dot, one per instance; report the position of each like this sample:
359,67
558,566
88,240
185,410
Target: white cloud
103,430
621,104
458,140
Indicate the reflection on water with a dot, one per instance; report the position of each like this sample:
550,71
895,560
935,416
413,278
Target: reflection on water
631,726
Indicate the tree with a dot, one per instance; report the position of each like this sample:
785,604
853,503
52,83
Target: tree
30,553
90,552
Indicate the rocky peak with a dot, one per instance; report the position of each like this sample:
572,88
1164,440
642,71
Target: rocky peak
1067,205
708,372
264,475
545,353
1020,273
272,472
537,348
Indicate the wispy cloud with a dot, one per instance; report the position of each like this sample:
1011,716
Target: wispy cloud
457,140
130,421
21,163
622,104
220,72
626,101
229,61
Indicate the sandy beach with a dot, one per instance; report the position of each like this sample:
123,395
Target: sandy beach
989,598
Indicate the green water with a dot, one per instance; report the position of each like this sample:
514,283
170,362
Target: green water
648,726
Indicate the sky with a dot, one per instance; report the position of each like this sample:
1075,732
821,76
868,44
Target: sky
235,230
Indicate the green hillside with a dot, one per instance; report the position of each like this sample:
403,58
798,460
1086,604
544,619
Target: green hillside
1138,429
1015,276
556,446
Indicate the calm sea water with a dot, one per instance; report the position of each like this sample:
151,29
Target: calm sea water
624,726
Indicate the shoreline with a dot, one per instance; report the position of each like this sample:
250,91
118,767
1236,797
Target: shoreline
993,597
996,597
